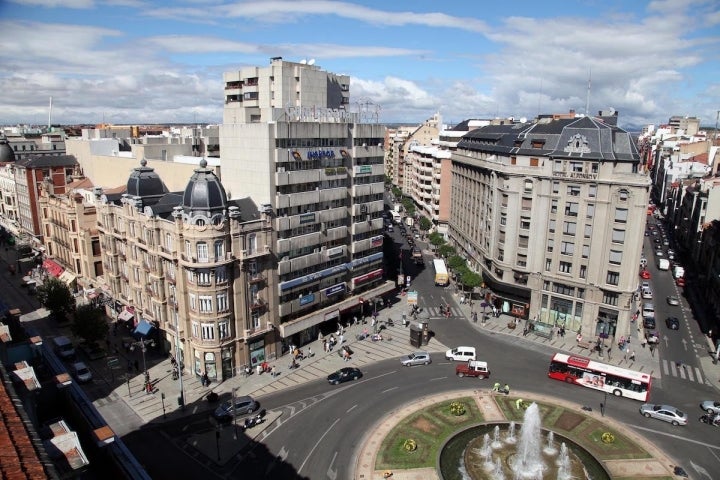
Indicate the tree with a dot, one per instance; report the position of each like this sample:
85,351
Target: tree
436,239
470,279
90,324
425,224
446,250
456,262
54,295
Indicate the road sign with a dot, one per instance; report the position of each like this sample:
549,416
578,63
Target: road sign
412,298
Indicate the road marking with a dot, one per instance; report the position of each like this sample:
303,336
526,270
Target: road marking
678,437
307,457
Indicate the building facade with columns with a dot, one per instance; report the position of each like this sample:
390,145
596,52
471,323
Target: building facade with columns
553,214
195,265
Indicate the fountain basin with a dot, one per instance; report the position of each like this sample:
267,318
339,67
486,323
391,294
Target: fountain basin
453,455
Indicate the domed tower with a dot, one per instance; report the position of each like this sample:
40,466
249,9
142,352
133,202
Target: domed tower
204,200
7,154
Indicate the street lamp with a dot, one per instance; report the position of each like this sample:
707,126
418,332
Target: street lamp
143,343
178,353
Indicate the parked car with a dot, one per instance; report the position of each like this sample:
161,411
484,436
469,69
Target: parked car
344,375
416,358
672,323
81,372
243,405
666,413
710,406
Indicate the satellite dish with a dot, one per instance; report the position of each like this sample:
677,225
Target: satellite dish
303,61
311,61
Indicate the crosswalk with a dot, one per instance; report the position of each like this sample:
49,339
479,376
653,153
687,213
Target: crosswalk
685,372
437,312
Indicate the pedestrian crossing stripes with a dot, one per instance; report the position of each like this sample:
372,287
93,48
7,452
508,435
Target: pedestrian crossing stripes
680,370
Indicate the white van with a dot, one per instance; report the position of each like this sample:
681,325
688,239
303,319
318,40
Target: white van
461,354
64,347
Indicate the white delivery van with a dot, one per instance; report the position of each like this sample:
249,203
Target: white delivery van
461,354
64,347
678,272
663,264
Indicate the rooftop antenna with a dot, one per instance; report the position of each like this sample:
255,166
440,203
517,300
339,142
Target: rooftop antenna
587,101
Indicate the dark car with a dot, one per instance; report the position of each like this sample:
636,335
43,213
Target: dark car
672,323
243,406
344,375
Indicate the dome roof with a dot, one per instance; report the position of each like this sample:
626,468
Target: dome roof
6,152
204,192
144,182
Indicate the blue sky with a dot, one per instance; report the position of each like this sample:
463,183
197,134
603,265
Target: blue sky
136,61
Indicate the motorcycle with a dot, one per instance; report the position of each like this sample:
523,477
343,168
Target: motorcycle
255,419
710,419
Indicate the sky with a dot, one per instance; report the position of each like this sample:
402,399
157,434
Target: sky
154,61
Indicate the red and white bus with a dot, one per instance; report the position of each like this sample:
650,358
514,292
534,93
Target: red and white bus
599,376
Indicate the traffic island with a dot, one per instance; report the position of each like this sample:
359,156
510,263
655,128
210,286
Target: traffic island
408,442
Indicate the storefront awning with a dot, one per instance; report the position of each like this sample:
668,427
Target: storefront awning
67,277
52,267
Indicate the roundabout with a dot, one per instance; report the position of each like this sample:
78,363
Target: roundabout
471,434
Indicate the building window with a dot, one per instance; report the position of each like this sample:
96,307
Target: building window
618,236
567,248
610,298
221,275
572,209
203,255
565,267
613,278
222,302
208,331
224,329
206,304
590,211
621,215
219,250
615,257
569,228
193,301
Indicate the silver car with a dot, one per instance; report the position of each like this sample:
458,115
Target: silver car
710,406
416,358
666,413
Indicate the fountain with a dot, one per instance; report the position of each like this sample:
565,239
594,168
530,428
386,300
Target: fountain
528,462
475,454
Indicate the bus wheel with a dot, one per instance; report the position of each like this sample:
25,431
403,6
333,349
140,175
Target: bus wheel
617,393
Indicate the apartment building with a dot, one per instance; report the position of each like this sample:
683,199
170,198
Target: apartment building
70,235
289,143
195,265
30,173
553,213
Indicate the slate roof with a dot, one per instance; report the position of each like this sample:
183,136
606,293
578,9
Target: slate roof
585,138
